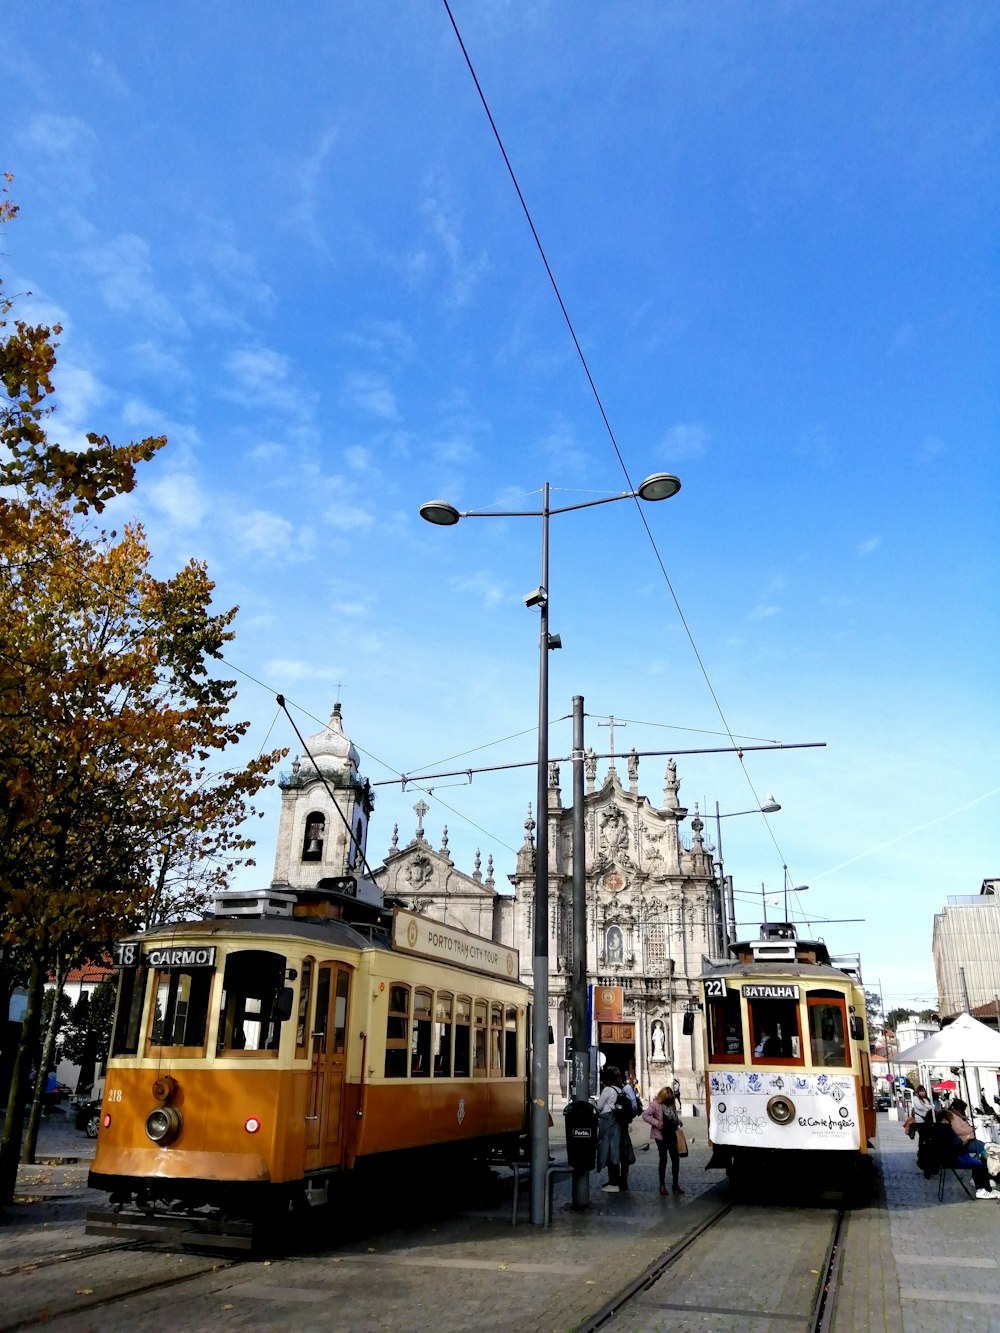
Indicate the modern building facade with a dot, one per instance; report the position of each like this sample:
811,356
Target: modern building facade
966,945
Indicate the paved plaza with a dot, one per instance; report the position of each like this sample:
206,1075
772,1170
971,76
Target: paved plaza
912,1262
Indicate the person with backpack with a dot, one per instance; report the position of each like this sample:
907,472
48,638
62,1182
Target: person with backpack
608,1129
663,1118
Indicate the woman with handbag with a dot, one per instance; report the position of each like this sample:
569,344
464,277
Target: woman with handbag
665,1123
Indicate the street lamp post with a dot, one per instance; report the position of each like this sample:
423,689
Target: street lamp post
659,486
795,888
770,807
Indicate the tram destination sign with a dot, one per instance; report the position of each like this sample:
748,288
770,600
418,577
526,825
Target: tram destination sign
771,992
129,953
445,944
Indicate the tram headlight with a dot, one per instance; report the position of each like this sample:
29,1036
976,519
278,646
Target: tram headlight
781,1110
164,1124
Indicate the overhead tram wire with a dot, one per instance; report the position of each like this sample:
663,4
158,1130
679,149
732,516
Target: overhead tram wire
603,413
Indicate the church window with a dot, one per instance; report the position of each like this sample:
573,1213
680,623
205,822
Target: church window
656,949
312,843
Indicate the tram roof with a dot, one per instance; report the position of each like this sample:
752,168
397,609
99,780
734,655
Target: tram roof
784,968
330,929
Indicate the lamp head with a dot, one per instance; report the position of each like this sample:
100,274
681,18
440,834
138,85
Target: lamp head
440,512
660,486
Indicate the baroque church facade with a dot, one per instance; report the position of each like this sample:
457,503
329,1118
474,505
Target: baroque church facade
652,899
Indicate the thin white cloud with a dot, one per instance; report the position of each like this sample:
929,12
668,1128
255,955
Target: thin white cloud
869,545
764,611
686,439
179,498
284,669
485,586
261,379
124,272
347,517
444,222
372,394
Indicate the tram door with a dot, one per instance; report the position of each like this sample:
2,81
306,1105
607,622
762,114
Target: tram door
324,1113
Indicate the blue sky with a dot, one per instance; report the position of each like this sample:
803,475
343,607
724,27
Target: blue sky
294,248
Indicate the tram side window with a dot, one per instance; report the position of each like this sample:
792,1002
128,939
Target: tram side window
251,1018
774,1031
496,1040
463,1036
510,1043
442,1035
302,1016
180,1014
397,1032
420,1047
827,1043
725,1028
128,1017
479,1067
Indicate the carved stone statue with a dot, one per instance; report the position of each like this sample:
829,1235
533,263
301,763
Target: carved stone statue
658,1036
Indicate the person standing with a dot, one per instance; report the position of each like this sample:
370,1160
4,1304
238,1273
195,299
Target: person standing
922,1111
663,1118
608,1130
676,1089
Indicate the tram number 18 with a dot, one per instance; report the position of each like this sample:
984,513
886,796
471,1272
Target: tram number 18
715,989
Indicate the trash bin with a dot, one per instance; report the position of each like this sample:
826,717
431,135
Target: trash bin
581,1134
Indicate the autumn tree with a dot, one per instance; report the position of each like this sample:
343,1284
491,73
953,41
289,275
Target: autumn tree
111,710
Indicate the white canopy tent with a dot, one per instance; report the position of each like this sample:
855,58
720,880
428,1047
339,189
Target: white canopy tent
964,1042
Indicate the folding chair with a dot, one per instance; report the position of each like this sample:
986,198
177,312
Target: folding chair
943,1176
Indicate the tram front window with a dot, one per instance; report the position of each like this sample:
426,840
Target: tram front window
725,1028
251,1017
774,1031
180,1012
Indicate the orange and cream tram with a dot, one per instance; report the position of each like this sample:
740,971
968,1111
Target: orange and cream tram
787,1070
260,1053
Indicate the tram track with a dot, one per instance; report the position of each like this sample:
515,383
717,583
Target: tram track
697,1288
86,1283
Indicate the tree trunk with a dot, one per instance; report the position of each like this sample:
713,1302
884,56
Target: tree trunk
10,1144
48,1050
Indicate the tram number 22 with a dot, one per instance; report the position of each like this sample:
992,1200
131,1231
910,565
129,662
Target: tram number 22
715,989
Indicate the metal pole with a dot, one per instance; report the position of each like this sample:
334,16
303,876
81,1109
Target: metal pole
580,1086
540,945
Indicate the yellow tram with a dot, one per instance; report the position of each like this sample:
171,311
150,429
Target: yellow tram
259,1053
787,1068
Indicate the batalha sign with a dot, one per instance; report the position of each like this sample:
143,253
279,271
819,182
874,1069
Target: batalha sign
771,992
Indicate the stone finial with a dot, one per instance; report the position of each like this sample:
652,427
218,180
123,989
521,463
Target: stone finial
489,869
395,837
529,828
477,873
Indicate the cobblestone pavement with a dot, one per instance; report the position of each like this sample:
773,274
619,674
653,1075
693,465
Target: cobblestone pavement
911,1264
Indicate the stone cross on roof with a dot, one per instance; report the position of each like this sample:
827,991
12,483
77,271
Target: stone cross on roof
420,809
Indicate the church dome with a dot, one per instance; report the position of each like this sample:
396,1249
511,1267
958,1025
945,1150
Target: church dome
332,750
